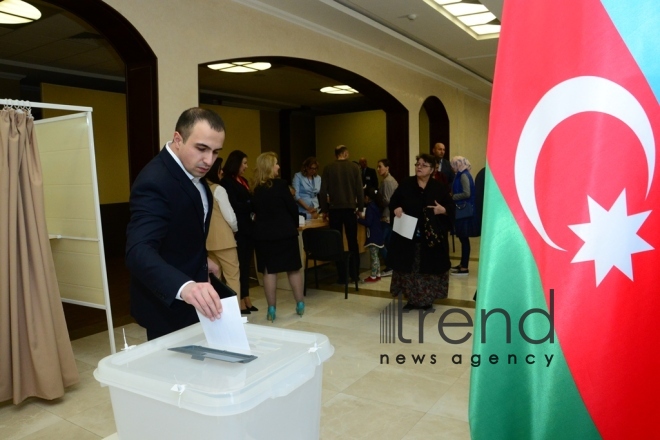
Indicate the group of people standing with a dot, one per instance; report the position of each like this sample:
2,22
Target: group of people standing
262,218
191,216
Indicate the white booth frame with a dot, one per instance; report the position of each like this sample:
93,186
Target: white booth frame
99,229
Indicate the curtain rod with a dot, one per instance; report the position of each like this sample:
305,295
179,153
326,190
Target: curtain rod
19,103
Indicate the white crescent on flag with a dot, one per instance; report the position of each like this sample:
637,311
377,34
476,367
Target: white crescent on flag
568,98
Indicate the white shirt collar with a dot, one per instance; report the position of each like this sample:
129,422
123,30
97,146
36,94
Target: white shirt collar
176,158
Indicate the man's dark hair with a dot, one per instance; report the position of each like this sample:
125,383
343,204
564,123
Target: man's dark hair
340,150
233,164
190,117
385,162
429,159
212,174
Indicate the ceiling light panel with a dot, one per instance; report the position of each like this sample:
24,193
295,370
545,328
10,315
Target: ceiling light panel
17,11
477,19
240,67
339,90
458,9
469,15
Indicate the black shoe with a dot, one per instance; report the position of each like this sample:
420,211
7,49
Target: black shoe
456,268
246,312
461,272
253,309
410,307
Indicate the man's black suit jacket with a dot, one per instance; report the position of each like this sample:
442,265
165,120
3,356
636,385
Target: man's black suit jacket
165,244
369,177
445,168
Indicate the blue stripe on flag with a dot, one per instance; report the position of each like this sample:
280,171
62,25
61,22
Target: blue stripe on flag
638,23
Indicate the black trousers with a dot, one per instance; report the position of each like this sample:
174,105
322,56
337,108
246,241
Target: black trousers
245,251
345,220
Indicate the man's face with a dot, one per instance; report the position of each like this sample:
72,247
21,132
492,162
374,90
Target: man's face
363,163
439,150
200,150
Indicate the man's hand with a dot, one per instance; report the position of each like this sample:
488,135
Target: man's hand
398,212
204,298
213,268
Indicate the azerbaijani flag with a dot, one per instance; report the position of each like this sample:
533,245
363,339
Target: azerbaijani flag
572,206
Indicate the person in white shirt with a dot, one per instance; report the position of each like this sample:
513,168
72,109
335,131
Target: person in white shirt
220,243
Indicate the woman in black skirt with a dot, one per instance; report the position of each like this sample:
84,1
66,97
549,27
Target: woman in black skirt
276,232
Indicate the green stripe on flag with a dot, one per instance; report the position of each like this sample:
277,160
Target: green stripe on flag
518,401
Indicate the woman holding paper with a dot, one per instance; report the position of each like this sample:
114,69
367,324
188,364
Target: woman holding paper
421,262
276,232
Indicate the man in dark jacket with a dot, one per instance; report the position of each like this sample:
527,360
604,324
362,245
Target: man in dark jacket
341,193
171,207
369,178
444,171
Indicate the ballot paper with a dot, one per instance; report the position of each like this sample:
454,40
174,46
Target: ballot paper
405,225
228,331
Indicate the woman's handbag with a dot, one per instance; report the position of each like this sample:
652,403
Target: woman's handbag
433,234
464,210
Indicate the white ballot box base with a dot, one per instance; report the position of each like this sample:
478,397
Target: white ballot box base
161,394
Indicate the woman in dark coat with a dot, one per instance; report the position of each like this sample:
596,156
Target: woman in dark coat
421,265
238,192
276,232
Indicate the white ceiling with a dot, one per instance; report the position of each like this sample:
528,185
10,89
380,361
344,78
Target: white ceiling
59,44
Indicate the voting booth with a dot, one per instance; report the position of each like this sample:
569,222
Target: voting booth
159,393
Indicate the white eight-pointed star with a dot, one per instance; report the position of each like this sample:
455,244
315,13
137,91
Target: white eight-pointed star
610,238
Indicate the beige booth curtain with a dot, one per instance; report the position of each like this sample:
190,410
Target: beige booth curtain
36,358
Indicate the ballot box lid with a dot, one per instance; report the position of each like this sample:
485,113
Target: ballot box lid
286,359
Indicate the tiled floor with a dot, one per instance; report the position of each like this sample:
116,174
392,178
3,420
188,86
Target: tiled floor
362,396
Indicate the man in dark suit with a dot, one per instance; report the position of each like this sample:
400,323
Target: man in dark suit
444,171
369,178
171,207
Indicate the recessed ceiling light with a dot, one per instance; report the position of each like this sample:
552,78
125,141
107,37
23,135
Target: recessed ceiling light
17,12
469,15
339,90
240,67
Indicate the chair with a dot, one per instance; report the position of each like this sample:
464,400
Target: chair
324,244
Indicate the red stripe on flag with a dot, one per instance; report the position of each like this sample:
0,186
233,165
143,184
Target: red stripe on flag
606,328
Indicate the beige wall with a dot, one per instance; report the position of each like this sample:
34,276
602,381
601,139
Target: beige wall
110,138
186,34
469,132
363,133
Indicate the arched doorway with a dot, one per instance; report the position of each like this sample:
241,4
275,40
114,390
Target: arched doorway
141,76
438,124
396,115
